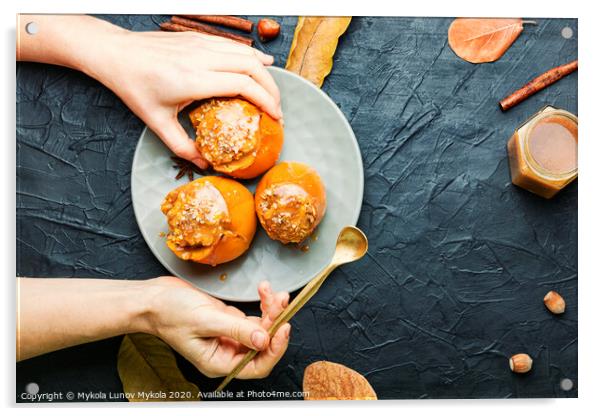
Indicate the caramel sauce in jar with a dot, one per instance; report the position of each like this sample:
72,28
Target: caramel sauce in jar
542,153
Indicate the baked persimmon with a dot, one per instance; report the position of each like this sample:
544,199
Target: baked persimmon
290,201
211,220
236,137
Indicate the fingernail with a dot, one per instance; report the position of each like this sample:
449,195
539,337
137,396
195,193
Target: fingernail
287,331
258,339
284,302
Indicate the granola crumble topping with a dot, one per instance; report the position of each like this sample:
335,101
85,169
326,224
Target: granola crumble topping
287,212
197,215
227,130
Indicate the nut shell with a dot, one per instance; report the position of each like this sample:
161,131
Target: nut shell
268,29
520,363
554,302
324,380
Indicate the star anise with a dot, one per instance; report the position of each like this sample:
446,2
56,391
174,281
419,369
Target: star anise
185,167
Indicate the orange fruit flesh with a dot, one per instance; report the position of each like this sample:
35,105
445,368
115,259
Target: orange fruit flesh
290,201
268,136
270,144
220,230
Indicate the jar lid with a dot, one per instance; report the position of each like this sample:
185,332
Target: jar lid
551,143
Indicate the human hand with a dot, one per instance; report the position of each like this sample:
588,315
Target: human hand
157,74
214,336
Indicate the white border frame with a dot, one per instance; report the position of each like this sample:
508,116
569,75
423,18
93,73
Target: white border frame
590,150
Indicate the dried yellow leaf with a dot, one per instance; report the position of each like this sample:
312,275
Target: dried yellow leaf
313,46
149,372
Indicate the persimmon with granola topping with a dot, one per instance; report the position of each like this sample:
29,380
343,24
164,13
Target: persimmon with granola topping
290,201
211,220
237,138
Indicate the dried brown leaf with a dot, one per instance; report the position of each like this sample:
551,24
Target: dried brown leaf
483,40
313,46
147,367
324,380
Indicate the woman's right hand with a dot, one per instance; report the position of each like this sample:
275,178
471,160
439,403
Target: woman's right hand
157,74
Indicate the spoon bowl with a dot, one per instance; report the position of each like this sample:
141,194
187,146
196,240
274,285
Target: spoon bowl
352,244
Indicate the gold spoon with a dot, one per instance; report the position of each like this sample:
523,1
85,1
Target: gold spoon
352,244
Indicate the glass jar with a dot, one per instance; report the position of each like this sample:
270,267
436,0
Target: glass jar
542,153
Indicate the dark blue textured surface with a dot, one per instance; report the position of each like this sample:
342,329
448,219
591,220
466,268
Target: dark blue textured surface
459,258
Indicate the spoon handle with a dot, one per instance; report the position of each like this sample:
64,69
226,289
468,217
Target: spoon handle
301,299
286,315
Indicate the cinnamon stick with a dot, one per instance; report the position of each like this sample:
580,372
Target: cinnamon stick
175,27
178,24
233,22
211,30
537,84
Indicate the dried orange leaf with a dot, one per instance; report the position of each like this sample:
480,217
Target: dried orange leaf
314,43
324,380
483,40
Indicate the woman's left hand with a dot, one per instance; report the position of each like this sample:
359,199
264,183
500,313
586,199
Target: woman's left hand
214,336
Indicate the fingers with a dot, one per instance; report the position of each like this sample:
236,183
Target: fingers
248,332
236,332
259,367
266,297
237,48
263,363
251,66
272,304
281,303
227,84
265,59
174,136
223,45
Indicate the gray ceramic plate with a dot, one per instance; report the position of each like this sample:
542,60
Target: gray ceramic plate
316,133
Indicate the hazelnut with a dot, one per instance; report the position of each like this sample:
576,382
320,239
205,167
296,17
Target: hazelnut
554,302
520,363
268,29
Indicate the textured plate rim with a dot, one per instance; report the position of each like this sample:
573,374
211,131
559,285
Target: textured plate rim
356,213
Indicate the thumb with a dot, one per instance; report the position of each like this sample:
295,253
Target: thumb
241,329
174,136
